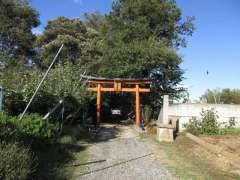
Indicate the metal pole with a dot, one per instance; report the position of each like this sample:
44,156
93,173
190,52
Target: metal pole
39,85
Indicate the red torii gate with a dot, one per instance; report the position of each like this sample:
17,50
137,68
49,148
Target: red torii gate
118,85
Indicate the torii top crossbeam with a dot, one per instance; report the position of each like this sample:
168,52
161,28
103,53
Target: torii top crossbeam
118,85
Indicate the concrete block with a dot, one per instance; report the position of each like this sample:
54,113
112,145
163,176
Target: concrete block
165,134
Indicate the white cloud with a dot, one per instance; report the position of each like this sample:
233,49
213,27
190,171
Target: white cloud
78,2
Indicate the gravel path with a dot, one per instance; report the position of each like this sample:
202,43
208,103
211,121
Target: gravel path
120,154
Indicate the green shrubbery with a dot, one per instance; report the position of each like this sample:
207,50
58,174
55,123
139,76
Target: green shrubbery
62,83
16,161
33,134
18,141
194,126
207,124
31,126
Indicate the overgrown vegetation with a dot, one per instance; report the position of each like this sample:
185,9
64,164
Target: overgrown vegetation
17,161
19,141
31,126
62,84
137,39
208,124
34,148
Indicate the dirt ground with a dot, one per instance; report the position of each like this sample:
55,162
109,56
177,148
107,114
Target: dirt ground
230,143
188,160
229,154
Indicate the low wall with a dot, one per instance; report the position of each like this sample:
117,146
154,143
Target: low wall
184,112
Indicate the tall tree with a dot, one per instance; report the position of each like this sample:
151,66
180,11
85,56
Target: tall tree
141,38
142,19
17,18
79,43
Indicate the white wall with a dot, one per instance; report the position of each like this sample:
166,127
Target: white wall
184,112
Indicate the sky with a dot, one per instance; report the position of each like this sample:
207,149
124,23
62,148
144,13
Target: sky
214,46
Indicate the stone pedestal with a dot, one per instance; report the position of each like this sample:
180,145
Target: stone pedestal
165,133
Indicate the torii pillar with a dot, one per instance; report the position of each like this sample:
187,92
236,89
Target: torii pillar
138,113
98,103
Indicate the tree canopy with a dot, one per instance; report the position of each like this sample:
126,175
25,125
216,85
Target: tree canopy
222,96
16,37
142,19
140,40
77,39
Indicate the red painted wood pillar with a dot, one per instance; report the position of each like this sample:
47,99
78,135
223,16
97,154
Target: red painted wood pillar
98,103
137,106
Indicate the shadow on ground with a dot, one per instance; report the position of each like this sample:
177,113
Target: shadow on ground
54,157
87,163
114,165
106,133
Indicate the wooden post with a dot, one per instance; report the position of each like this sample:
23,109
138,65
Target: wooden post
98,103
137,106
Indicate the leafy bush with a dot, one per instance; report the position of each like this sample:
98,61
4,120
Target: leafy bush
33,125
194,126
30,128
33,132
63,82
8,132
16,161
207,124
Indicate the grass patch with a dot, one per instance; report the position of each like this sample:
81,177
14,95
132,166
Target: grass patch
187,161
75,165
230,131
59,160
